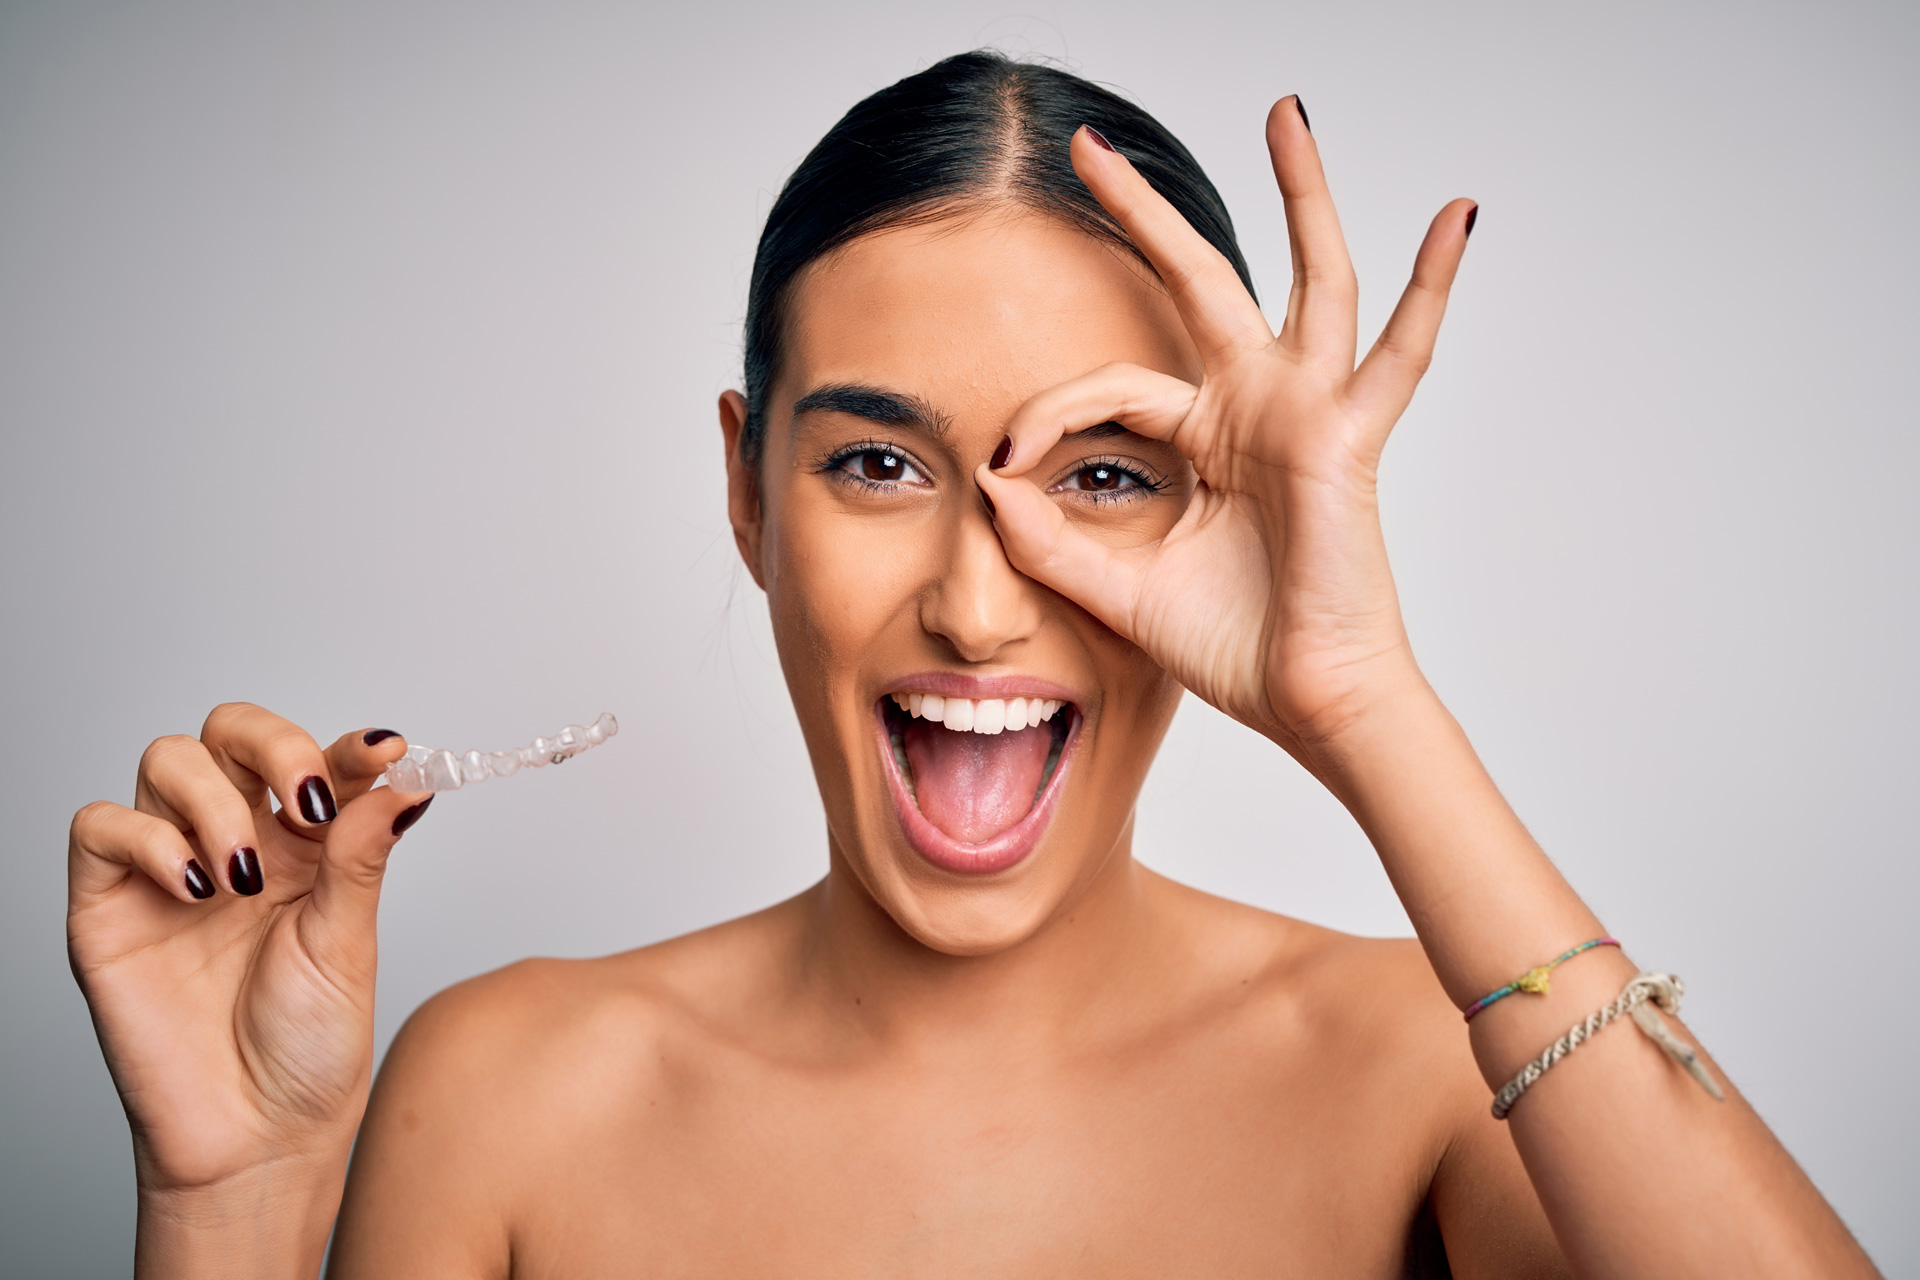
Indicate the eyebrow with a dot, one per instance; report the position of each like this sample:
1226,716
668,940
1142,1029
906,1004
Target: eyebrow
897,409
875,404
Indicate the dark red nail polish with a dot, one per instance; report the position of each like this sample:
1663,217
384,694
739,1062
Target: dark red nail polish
374,737
243,872
1099,137
316,800
410,815
1301,107
197,882
991,510
1002,454
1473,216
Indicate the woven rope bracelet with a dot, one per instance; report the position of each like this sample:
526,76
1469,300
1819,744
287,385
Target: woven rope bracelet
1662,989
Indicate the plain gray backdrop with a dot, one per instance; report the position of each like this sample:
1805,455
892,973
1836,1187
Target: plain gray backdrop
359,360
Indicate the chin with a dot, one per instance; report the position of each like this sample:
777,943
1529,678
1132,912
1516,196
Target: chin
973,920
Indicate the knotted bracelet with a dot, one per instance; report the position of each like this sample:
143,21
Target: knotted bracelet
1662,989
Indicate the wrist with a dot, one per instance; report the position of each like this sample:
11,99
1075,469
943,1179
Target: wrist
1339,743
1483,898
272,1220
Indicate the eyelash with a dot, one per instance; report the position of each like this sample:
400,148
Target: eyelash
1143,485
836,465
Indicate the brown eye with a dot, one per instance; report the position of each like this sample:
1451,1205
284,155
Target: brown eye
877,465
1108,480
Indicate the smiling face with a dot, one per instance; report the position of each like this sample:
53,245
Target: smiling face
978,741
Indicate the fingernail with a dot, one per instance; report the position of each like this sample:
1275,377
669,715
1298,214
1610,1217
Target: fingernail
1002,454
1301,107
1099,137
316,800
243,872
410,815
991,510
374,737
197,882
1473,216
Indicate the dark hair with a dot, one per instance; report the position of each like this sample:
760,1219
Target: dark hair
975,127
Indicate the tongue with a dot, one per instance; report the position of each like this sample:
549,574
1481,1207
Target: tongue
973,786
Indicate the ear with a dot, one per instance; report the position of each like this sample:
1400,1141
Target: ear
743,484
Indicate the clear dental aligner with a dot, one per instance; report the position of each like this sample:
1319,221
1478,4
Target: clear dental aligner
425,769
983,715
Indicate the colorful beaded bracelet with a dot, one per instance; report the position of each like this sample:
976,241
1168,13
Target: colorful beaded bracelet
1535,979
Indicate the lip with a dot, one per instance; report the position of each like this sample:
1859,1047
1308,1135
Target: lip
1011,846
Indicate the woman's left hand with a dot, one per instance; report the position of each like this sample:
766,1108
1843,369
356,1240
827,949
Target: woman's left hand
1271,597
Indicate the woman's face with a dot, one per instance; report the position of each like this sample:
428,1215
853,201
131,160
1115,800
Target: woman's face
907,352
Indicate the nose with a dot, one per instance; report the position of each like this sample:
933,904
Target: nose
979,605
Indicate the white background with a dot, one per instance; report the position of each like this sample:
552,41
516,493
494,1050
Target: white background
359,360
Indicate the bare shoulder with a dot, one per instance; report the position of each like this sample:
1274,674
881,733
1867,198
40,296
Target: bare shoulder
1362,1027
1371,1008
519,1027
1330,973
498,1082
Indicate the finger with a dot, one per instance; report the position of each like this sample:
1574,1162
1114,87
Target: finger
1382,386
1220,315
180,784
1139,399
254,746
108,842
1323,306
338,929
357,760
1043,544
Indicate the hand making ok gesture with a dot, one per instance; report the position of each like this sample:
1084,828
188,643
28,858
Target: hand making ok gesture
1271,598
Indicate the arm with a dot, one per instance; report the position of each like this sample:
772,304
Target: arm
1272,599
1640,1171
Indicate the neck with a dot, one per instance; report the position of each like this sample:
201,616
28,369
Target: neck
1092,957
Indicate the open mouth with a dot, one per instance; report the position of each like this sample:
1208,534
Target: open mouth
973,779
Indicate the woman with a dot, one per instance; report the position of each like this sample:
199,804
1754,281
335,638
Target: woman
1018,459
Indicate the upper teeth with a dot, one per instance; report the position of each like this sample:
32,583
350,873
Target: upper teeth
980,715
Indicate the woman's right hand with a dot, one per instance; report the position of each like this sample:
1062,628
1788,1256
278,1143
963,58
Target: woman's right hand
227,953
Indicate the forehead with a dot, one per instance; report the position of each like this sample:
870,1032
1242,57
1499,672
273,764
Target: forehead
977,313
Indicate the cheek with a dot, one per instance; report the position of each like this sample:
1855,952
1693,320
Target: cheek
840,583
1146,694
1138,699
1138,522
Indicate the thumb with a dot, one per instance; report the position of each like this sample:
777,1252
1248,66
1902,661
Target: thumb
1041,543
338,928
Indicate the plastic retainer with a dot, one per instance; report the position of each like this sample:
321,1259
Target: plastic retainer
425,769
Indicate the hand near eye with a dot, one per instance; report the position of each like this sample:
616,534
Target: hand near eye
1271,598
